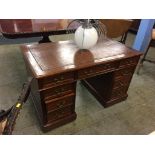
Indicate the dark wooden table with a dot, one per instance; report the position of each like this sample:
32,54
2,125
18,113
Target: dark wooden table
24,28
106,70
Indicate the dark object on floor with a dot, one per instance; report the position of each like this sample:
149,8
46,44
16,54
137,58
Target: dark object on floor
8,118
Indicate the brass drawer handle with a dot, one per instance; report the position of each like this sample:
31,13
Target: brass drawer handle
119,92
124,72
108,65
118,84
62,78
61,104
59,79
90,71
130,61
56,80
121,83
58,91
60,114
62,89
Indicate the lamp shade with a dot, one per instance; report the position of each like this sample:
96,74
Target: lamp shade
86,38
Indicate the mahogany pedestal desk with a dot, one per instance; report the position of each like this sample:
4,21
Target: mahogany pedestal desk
106,70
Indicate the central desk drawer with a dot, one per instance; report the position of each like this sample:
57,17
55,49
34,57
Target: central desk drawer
60,102
61,113
55,92
99,69
56,80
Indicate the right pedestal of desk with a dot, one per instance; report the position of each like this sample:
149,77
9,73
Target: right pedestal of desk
110,88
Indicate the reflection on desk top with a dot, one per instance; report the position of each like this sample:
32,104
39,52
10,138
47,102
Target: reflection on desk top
19,26
52,58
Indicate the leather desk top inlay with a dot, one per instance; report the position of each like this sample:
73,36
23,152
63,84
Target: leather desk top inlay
53,57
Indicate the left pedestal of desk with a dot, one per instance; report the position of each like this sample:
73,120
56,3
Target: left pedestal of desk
55,105
53,95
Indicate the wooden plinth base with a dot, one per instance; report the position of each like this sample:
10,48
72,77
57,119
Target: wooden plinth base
52,125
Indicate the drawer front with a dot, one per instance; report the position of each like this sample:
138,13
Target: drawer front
107,67
61,113
60,103
129,61
56,80
124,72
55,92
116,93
86,72
123,81
95,70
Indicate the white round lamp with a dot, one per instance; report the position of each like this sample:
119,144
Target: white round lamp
86,37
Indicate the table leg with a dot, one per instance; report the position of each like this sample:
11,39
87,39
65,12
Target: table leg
45,39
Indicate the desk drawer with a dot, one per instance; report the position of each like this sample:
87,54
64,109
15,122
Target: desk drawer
61,113
123,81
95,70
124,72
129,61
60,102
107,67
117,93
56,80
55,92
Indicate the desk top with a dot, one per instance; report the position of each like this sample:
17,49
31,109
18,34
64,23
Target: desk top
52,58
17,27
